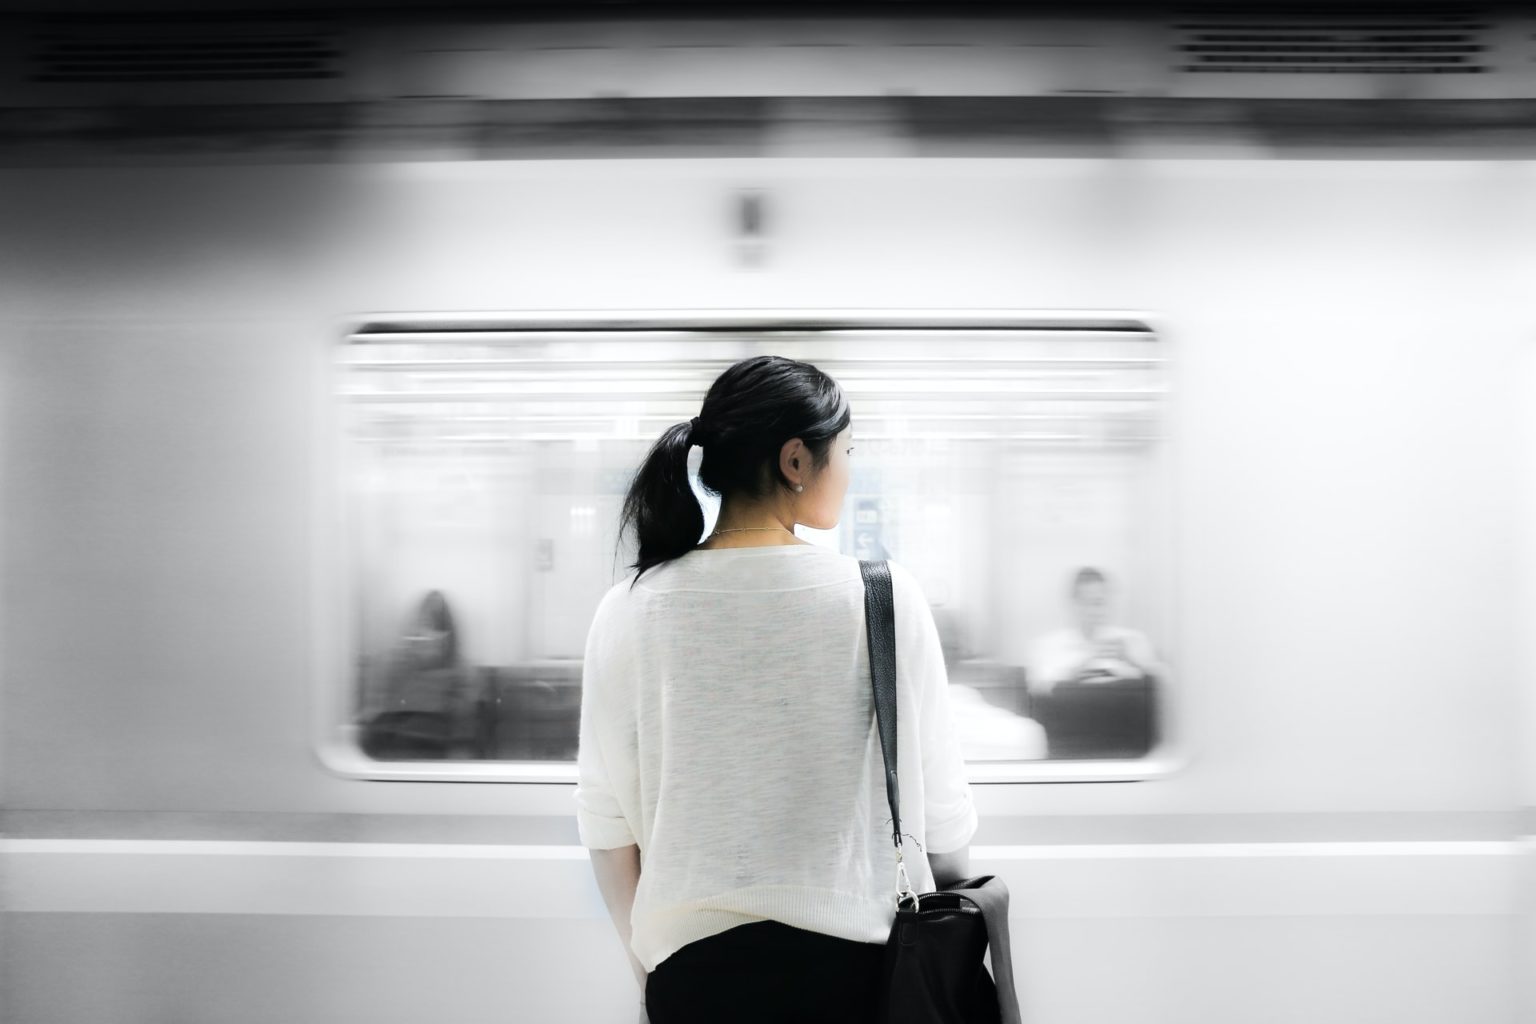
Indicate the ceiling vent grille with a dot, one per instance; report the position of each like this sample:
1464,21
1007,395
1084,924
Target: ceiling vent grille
1333,44
163,50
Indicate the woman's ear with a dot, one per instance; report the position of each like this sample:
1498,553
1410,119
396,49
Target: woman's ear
792,459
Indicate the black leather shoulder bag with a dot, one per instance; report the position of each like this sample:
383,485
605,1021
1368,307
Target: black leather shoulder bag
933,970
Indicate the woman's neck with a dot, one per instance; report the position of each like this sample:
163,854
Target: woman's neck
752,526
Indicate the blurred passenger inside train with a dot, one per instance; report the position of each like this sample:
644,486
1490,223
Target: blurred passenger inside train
726,724
1091,650
426,709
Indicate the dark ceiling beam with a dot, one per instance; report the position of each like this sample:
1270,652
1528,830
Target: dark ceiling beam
763,127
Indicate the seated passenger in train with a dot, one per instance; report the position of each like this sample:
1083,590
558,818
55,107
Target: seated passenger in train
1091,650
426,710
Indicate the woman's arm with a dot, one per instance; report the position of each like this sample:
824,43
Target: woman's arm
948,808
618,875
949,868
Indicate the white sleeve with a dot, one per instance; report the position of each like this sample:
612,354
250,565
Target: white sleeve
947,807
600,819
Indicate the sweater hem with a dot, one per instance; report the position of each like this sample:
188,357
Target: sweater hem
657,934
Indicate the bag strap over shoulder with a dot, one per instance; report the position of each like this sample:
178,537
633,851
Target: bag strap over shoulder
880,624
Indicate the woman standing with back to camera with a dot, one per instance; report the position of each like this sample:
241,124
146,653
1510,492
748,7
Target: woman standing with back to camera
728,740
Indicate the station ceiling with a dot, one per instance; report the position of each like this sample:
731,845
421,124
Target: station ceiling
631,9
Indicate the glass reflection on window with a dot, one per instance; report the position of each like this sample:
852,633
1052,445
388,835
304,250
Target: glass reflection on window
1020,474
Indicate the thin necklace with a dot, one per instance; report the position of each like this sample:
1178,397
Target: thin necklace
749,529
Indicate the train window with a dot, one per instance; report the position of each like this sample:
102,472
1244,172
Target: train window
1017,466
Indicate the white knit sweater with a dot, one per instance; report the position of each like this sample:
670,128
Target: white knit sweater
727,727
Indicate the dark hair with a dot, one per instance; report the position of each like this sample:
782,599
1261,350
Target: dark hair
433,613
751,410
1086,575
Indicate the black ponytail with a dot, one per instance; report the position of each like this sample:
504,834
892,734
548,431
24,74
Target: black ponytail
661,506
750,411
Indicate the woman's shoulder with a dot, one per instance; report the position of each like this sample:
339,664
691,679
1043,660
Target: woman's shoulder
905,585
790,571
912,607
786,567
903,577
611,606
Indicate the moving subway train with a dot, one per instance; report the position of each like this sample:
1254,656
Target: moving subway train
1209,336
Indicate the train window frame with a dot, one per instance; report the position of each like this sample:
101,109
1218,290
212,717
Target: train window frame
334,732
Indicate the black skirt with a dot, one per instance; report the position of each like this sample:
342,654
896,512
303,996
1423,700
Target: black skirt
766,971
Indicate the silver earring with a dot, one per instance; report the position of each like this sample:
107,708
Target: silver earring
798,489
